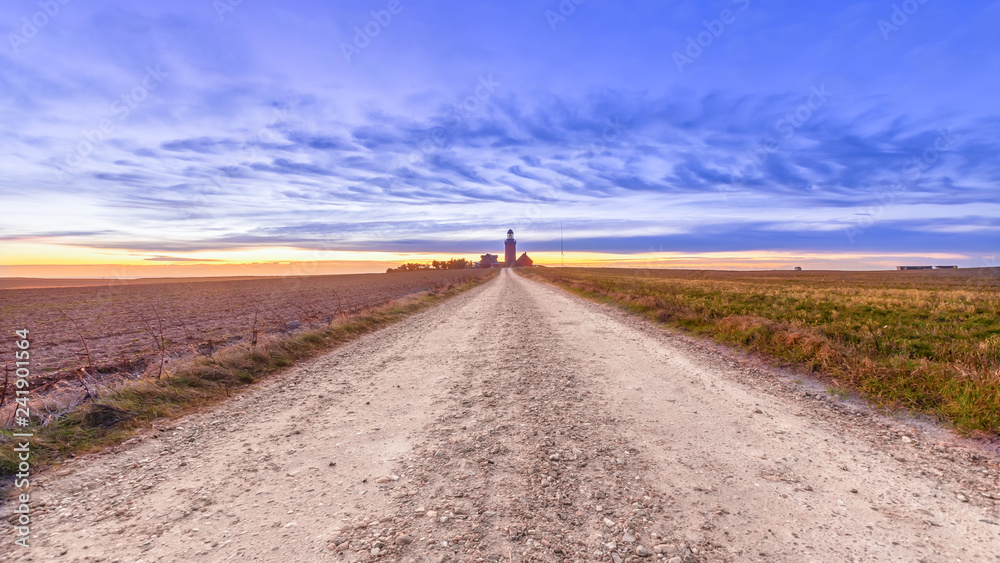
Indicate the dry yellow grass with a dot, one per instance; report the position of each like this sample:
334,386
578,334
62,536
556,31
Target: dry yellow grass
928,340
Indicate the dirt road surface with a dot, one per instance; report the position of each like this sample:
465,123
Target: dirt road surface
518,423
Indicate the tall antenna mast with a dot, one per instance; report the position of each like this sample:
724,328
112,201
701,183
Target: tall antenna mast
562,255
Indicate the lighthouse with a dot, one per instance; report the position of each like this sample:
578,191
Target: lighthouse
510,249
510,258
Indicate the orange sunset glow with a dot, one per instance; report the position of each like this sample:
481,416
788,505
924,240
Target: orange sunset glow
56,261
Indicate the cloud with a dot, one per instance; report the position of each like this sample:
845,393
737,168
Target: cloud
286,166
42,235
199,145
248,143
126,178
179,259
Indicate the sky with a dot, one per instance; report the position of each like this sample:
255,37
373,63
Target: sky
240,136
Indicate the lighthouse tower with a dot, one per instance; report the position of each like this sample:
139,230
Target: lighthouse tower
510,248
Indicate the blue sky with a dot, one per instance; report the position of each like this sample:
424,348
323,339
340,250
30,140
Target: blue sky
195,130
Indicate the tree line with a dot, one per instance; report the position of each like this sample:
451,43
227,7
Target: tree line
453,264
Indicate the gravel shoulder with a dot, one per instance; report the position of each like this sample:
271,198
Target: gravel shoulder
516,422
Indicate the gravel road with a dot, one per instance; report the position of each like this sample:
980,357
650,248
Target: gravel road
516,422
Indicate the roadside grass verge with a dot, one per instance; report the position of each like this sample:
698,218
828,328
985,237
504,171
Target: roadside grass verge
928,342
201,382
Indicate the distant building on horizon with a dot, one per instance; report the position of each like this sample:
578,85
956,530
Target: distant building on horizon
510,259
489,261
914,267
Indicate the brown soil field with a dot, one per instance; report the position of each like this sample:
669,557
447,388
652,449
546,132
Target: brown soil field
121,321
32,283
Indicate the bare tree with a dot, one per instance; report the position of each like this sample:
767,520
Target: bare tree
3,392
158,338
86,349
254,331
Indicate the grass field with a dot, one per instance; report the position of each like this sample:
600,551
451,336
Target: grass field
923,340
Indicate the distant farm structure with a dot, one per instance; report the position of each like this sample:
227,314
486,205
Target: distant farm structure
926,267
